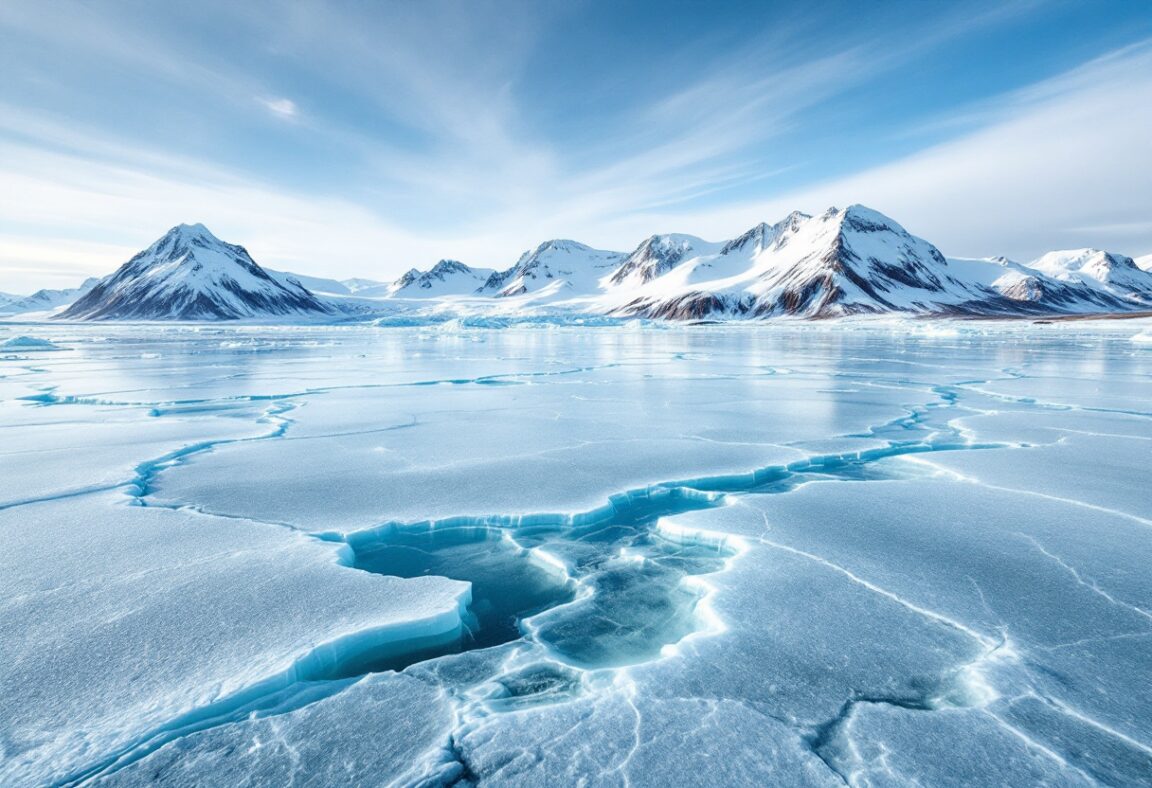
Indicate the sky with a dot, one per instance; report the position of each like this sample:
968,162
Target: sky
361,139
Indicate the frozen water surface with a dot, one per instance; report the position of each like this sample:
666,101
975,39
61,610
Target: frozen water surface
862,553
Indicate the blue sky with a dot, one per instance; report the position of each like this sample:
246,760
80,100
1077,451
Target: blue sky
361,139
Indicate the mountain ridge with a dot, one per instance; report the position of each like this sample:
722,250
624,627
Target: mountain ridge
850,261
45,299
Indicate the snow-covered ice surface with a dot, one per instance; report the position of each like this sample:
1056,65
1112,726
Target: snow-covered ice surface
874,553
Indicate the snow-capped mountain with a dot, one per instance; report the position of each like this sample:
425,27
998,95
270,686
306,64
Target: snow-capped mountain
190,274
848,261
1029,286
555,269
44,300
858,261
658,255
842,262
447,277
1144,263
1109,274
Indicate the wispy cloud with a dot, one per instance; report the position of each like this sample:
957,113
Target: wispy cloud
1060,163
111,209
386,138
281,107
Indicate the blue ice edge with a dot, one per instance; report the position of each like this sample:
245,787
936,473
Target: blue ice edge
634,503
645,507
318,673
691,493
311,677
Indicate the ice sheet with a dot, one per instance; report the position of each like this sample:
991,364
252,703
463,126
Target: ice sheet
778,554
126,625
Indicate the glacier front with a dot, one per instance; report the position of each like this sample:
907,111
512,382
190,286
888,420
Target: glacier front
865,553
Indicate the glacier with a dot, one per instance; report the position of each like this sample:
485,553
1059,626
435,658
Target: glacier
524,552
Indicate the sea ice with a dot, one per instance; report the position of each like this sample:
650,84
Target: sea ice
779,554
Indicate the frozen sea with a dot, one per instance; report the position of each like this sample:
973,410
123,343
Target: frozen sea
884,554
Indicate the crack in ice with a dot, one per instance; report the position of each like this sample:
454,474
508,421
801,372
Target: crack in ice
1088,583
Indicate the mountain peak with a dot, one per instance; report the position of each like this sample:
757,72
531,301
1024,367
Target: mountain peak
447,277
450,267
1081,259
559,264
657,255
408,277
560,245
189,273
193,227
1114,274
758,237
180,244
763,234
195,230
864,219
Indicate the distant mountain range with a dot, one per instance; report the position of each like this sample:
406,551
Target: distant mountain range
43,300
843,262
858,261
